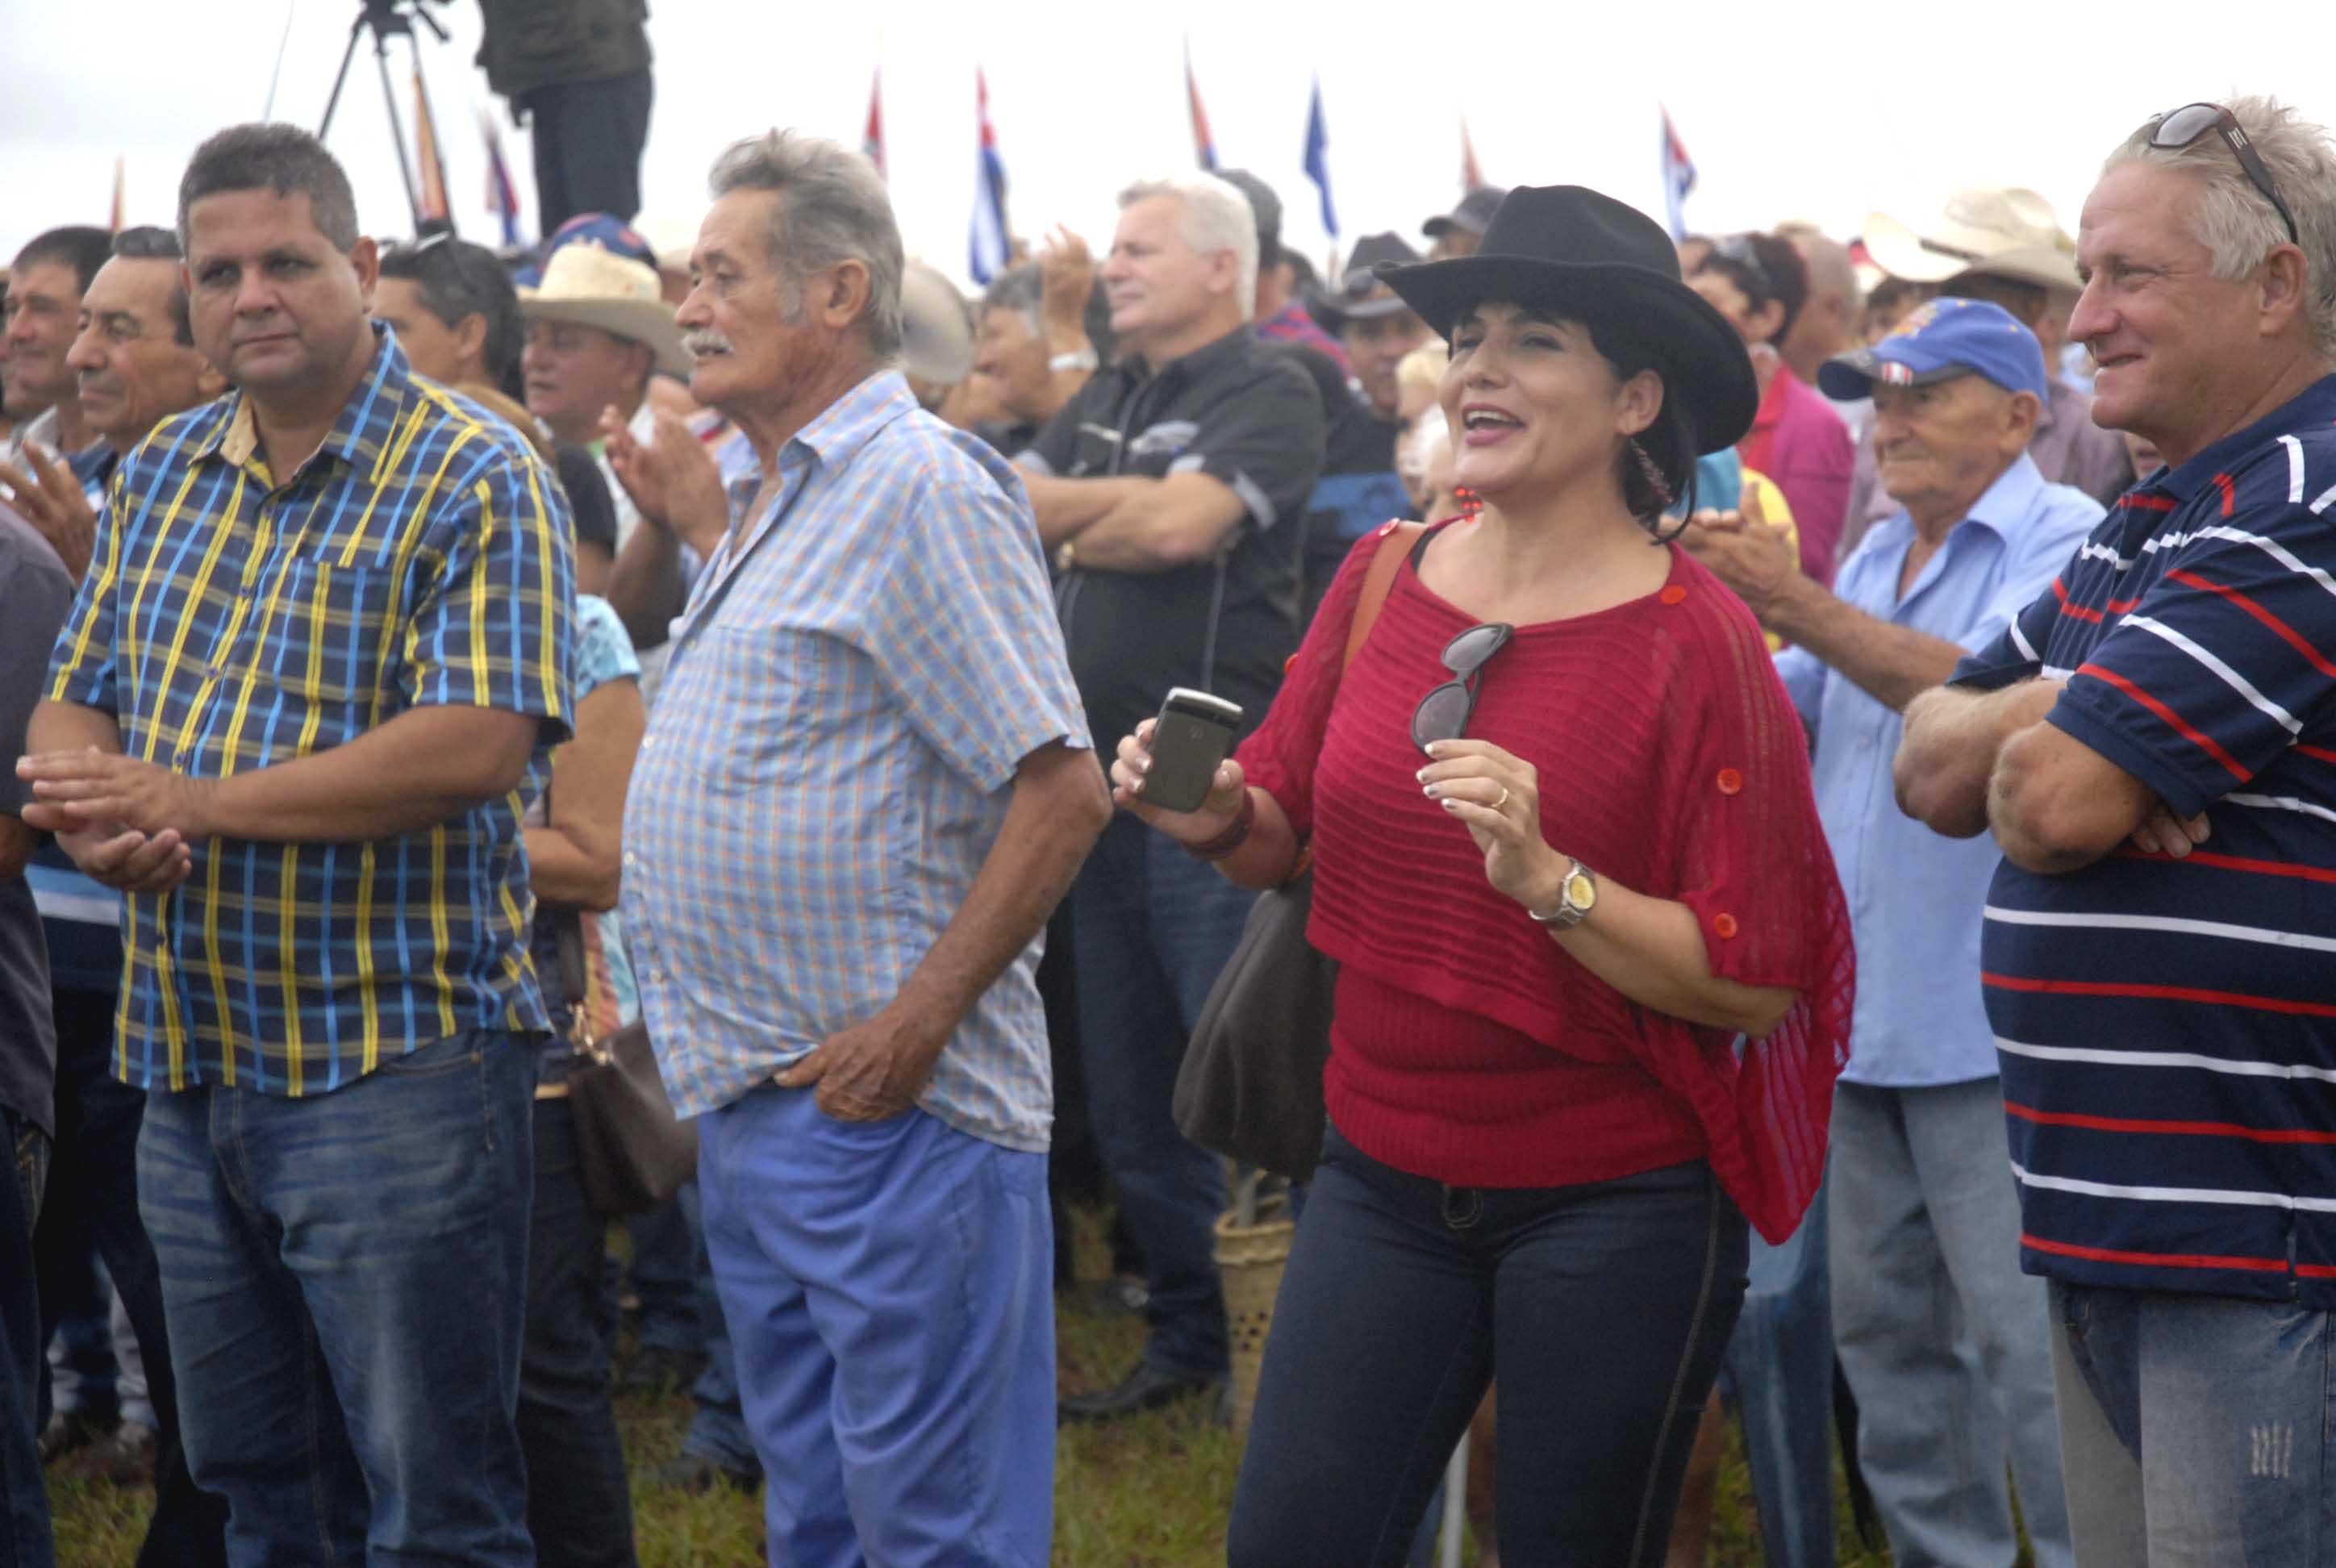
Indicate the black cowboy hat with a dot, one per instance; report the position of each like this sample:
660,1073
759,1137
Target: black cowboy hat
1360,294
1591,257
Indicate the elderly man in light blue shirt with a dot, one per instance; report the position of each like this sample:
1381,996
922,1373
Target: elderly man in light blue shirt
1943,1339
866,783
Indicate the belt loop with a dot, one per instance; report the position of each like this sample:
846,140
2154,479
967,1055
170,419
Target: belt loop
1463,1206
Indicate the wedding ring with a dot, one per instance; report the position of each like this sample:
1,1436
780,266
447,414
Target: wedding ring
1503,800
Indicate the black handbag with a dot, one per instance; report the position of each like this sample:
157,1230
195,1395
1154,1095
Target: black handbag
1251,1086
633,1150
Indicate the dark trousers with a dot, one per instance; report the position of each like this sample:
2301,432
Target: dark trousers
1154,927
23,1499
93,1198
579,1507
588,137
1603,1309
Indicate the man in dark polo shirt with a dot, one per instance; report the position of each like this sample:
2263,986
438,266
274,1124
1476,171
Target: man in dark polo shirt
1172,492
2153,744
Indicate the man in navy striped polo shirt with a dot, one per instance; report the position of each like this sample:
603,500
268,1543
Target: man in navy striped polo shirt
2153,744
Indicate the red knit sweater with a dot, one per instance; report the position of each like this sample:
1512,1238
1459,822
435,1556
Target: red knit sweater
1471,1049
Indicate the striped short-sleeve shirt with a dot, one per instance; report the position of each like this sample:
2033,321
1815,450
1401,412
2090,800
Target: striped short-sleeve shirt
2167,1029
861,669
232,621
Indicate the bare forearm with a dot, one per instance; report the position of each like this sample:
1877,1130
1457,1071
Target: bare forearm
1059,807
1064,507
1948,752
2057,805
419,769
1652,951
69,726
561,870
1180,520
1269,853
1895,664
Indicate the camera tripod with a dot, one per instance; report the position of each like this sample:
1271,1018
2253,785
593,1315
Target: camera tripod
385,19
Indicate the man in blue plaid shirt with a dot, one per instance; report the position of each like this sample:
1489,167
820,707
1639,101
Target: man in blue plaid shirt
866,781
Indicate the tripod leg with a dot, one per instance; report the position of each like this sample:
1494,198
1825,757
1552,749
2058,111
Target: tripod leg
341,77
397,131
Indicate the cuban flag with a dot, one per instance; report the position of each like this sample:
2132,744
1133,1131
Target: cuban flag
871,140
1679,175
990,250
1204,146
502,195
1318,159
436,212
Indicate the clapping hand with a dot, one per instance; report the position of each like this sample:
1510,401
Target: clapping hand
51,498
672,479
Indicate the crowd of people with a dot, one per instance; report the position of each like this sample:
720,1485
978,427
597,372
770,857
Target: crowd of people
1816,757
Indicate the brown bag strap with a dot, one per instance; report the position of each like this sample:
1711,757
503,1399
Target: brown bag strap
1395,539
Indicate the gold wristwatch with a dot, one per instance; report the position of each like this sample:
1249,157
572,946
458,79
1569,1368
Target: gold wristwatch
1577,896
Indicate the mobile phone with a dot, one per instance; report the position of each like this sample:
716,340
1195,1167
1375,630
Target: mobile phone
1189,741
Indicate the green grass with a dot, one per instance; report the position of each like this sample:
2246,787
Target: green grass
1152,1492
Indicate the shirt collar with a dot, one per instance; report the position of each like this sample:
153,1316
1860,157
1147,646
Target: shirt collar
359,437
2000,508
1772,402
2314,405
840,429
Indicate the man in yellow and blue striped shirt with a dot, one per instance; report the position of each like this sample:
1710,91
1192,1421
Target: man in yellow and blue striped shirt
303,698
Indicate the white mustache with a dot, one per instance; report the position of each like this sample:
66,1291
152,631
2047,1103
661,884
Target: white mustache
705,342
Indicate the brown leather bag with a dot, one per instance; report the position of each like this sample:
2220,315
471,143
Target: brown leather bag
1251,1086
633,1152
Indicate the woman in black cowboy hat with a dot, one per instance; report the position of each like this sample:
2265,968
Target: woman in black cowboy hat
1595,963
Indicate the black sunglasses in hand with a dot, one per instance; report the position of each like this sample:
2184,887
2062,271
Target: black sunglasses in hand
1444,713
2181,127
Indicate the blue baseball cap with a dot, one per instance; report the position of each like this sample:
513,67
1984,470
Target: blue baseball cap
1940,340
611,235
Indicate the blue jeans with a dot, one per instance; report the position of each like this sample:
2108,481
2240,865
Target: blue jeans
888,1289
346,1277
2195,1429
1945,1342
1780,1371
1601,1310
25,1540
1154,927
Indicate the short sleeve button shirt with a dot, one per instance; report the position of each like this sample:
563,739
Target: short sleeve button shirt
2167,1029
1914,897
1245,414
859,673
234,620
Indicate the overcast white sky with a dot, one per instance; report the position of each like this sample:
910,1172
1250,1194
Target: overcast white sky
1821,109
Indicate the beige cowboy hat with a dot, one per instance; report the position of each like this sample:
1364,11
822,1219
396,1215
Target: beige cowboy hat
591,287
2003,231
936,327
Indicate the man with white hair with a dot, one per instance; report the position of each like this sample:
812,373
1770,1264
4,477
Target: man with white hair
2153,744
1172,489
865,786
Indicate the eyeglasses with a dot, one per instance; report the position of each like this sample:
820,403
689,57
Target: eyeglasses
2181,127
1444,713
1738,250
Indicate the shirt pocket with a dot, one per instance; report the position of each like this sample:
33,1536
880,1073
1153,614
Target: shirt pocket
327,633
763,726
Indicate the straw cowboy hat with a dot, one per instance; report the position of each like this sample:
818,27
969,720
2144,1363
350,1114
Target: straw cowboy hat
590,287
2002,231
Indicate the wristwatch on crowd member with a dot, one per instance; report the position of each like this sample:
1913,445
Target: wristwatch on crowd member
1080,358
1577,896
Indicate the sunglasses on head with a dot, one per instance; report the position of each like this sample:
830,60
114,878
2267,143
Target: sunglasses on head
1444,713
1738,250
2181,127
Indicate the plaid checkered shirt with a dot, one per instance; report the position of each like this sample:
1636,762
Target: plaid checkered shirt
230,623
861,669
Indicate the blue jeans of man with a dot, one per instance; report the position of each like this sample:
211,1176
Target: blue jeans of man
1945,1342
24,1541
345,1278
888,1287
2195,1429
1153,928
1779,1368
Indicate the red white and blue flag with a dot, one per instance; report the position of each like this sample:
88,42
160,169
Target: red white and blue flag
1204,145
1318,159
871,140
990,250
1679,177
1472,174
432,207
502,195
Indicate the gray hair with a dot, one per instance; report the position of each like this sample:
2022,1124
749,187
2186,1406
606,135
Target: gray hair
1023,290
833,208
150,242
1217,217
282,158
2237,223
